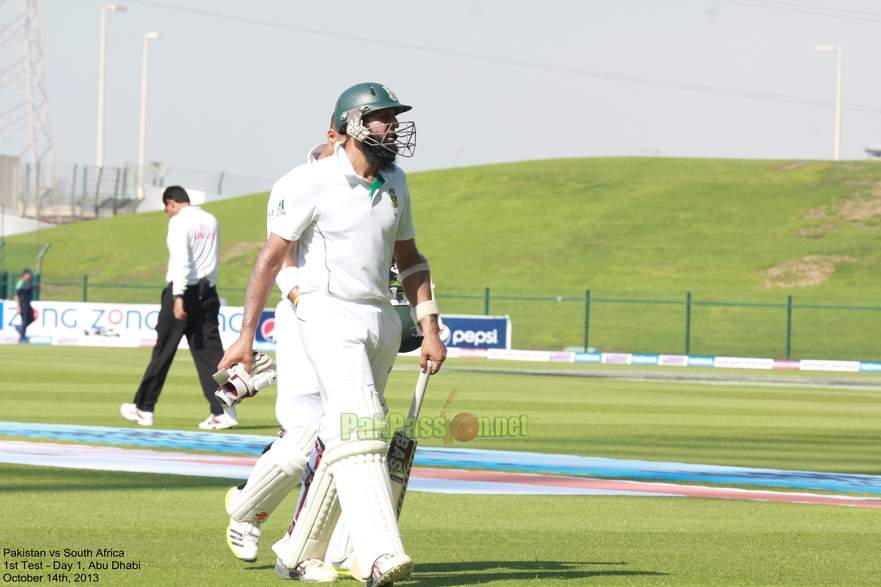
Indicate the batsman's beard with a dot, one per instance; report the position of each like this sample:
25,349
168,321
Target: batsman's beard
382,157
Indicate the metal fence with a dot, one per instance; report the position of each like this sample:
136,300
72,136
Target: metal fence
79,192
785,326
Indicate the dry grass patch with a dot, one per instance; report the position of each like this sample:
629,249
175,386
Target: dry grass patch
792,166
859,210
241,249
815,231
809,270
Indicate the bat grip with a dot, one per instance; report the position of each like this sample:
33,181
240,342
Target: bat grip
421,384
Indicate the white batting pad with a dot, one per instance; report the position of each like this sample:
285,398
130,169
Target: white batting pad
274,476
317,514
365,494
339,551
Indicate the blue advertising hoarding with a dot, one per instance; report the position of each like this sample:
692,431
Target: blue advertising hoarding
476,332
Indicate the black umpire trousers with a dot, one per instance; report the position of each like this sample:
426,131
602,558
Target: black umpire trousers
203,334
27,318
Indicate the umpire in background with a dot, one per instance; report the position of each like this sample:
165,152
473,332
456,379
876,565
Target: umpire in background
189,308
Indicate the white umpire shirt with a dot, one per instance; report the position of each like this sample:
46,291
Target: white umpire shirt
193,244
346,225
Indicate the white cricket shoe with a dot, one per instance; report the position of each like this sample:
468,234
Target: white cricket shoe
389,568
225,420
344,564
131,412
309,571
242,539
284,571
227,499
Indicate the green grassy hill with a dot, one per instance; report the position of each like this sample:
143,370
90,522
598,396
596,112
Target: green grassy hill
646,228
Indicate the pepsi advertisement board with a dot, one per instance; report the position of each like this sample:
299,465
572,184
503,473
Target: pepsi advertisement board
263,340
476,332
134,325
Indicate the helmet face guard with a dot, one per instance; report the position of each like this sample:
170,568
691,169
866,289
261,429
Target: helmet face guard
366,99
403,134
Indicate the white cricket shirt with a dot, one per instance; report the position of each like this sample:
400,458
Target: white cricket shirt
347,227
193,245
276,195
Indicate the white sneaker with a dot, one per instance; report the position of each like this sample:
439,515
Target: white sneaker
389,568
225,420
309,571
242,538
344,564
227,499
131,412
284,571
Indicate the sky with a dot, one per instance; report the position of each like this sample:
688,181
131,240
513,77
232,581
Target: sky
247,86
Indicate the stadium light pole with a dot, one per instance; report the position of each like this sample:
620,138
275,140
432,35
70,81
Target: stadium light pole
837,98
99,160
142,151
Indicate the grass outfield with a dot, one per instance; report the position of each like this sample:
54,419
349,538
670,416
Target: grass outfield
173,525
836,430
622,227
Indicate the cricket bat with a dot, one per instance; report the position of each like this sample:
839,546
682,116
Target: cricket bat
402,449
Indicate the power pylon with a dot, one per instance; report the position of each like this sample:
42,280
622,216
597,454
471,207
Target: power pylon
25,130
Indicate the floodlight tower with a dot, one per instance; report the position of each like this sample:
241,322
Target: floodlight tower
837,98
24,103
99,159
142,148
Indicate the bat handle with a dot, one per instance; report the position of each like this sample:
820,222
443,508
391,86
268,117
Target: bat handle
416,405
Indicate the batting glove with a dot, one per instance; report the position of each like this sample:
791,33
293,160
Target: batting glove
236,384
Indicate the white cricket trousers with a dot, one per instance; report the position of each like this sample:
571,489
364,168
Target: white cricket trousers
299,395
352,346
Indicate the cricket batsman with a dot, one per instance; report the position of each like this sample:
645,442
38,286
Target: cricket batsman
298,410
346,216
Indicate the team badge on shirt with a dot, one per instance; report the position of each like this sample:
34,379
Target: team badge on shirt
280,210
394,198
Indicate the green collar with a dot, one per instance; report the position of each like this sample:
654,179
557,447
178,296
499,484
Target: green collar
378,182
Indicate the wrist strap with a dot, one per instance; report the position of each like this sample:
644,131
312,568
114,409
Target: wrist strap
411,270
422,310
287,279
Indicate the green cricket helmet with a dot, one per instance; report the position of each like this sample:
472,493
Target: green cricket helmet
410,341
366,98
